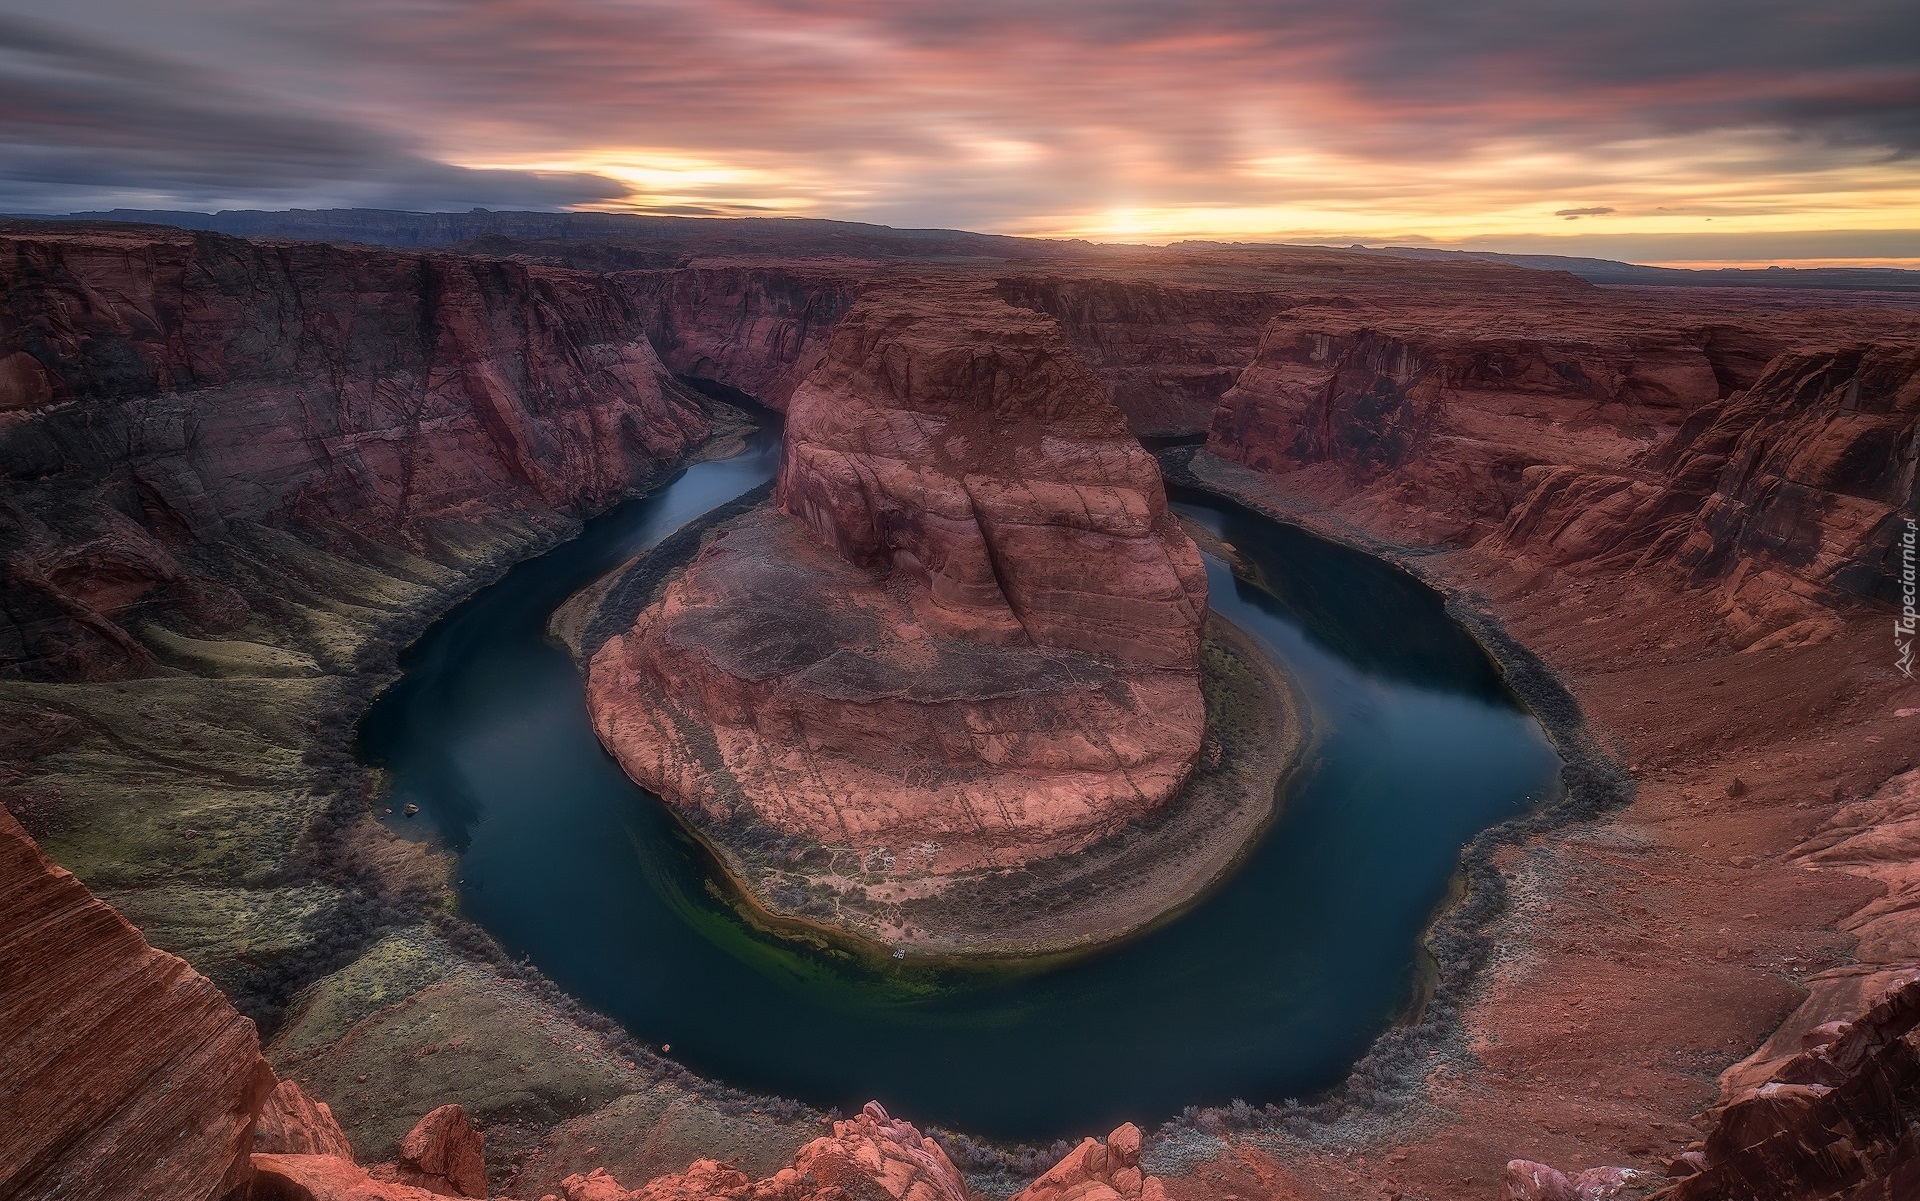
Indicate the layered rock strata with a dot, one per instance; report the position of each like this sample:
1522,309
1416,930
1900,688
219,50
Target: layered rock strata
161,393
1167,350
1792,496
759,328
968,636
126,1073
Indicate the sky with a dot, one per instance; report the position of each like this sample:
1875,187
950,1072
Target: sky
1700,132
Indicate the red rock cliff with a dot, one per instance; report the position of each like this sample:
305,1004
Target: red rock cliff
1166,350
755,327
123,1072
158,388
1791,495
1439,409
1765,450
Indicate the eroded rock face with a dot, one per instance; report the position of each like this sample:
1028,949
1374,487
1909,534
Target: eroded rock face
127,1074
1791,496
871,1156
1443,408
1167,351
961,444
756,327
159,391
1771,457
1829,1121
292,1123
968,636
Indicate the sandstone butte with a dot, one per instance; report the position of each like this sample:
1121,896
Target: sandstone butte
967,634
1680,500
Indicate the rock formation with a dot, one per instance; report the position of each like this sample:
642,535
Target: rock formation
443,1154
1830,1119
322,1178
160,391
1447,406
301,1154
1167,351
292,1123
125,1073
1770,456
872,1156
1792,495
172,408
759,328
969,634
1094,1171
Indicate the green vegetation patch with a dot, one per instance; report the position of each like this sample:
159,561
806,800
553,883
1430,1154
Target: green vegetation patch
227,933
225,658
471,1038
393,969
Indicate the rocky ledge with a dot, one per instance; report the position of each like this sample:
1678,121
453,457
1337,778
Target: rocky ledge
965,638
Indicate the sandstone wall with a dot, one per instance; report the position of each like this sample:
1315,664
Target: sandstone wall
126,1074
160,389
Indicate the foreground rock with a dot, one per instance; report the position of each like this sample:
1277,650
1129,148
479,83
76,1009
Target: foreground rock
126,1074
1098,1172
872,1156
443,1154
1529,1181
292,1123
969,635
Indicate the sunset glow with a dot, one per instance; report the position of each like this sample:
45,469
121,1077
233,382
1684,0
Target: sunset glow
1750,132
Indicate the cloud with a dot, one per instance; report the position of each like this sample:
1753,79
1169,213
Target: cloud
1368,119
84,122
1600,210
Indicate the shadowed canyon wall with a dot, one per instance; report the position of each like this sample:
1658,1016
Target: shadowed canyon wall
162,394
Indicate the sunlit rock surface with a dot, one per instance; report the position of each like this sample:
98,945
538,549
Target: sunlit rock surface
969,633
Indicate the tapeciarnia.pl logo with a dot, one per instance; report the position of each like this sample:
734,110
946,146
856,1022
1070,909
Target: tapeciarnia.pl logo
1903,625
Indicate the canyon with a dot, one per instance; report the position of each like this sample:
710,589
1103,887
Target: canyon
241,474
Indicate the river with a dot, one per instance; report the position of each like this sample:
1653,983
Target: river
1270,988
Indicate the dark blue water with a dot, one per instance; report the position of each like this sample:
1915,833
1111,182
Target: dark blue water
1269,989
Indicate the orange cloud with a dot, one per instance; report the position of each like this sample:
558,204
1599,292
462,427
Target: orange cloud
1377,119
